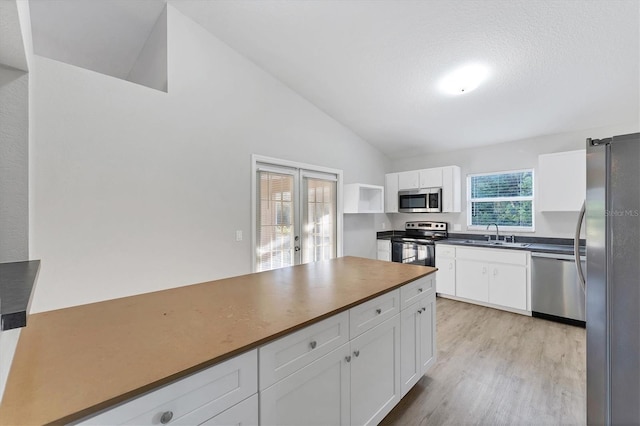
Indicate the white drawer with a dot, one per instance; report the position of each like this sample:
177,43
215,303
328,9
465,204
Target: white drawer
416,290
191,400
242,414
512,257
290,353
445,251
369,314
384,245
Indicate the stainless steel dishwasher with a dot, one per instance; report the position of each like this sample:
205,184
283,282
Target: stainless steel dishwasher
556,290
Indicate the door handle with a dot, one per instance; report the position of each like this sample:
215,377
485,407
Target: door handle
576,246
297,248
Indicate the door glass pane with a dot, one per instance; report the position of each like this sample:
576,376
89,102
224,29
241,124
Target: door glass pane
275,221
319,213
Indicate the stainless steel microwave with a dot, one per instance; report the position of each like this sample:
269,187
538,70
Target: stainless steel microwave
426,200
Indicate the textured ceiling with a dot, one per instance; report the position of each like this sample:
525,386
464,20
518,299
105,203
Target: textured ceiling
555,66
374,65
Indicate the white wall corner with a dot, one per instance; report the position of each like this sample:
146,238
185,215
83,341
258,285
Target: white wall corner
12,46
150,67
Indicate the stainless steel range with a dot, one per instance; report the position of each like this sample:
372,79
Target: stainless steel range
417,246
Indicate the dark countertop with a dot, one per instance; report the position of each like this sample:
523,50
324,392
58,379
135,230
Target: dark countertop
16,287
536,244
532,247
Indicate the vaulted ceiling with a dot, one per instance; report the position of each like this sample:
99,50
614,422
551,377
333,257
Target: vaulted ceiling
375,65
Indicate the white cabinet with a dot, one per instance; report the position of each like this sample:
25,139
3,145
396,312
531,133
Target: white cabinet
375,373
369,314
451,190
508,285
446,264
244,413
363,198
561,181
431,178
358,384
418,341
318,394
472,280
409,180
292,352
447,178
384,250
391,193
191,400
495,276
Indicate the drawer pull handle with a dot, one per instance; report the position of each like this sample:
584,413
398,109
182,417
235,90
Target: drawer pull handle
378,311
356,353
313,344
419,311
166,417
420,290
424,309
347,358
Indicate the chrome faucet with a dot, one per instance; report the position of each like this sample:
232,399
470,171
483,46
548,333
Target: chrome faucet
497,232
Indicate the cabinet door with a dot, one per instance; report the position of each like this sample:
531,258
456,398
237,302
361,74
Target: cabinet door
562,181
375,373
508,285
409,347
431,178
244,413
427,333
318,394
446,275
409,180
451,189
472,280
391,193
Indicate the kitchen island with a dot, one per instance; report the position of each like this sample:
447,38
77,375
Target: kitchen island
74,362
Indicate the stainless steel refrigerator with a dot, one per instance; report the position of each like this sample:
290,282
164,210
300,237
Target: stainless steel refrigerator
613,280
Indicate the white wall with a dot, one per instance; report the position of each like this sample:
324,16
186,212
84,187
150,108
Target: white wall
501,157
8,343
14,173
135,190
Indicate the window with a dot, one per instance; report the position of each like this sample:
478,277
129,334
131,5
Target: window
504,198
296,213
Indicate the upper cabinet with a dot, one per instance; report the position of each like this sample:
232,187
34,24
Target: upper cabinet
391,191
416,179
562,181
447,178
363,198
409,180
431,178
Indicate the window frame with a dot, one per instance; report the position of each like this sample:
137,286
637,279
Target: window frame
278,165
531,198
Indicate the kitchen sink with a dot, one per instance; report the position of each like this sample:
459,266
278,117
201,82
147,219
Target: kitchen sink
495,243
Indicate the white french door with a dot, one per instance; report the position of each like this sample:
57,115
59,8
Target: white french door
296,214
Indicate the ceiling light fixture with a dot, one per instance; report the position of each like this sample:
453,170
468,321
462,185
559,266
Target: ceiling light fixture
464,79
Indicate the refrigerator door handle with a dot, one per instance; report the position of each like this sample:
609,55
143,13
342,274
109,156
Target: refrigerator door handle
576,246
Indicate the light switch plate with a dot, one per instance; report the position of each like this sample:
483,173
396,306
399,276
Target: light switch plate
239,235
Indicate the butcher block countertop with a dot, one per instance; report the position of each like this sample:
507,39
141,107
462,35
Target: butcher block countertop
73,362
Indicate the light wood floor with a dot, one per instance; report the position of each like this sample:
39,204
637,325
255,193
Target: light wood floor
498,368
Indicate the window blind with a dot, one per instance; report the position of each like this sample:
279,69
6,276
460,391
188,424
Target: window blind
504,198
